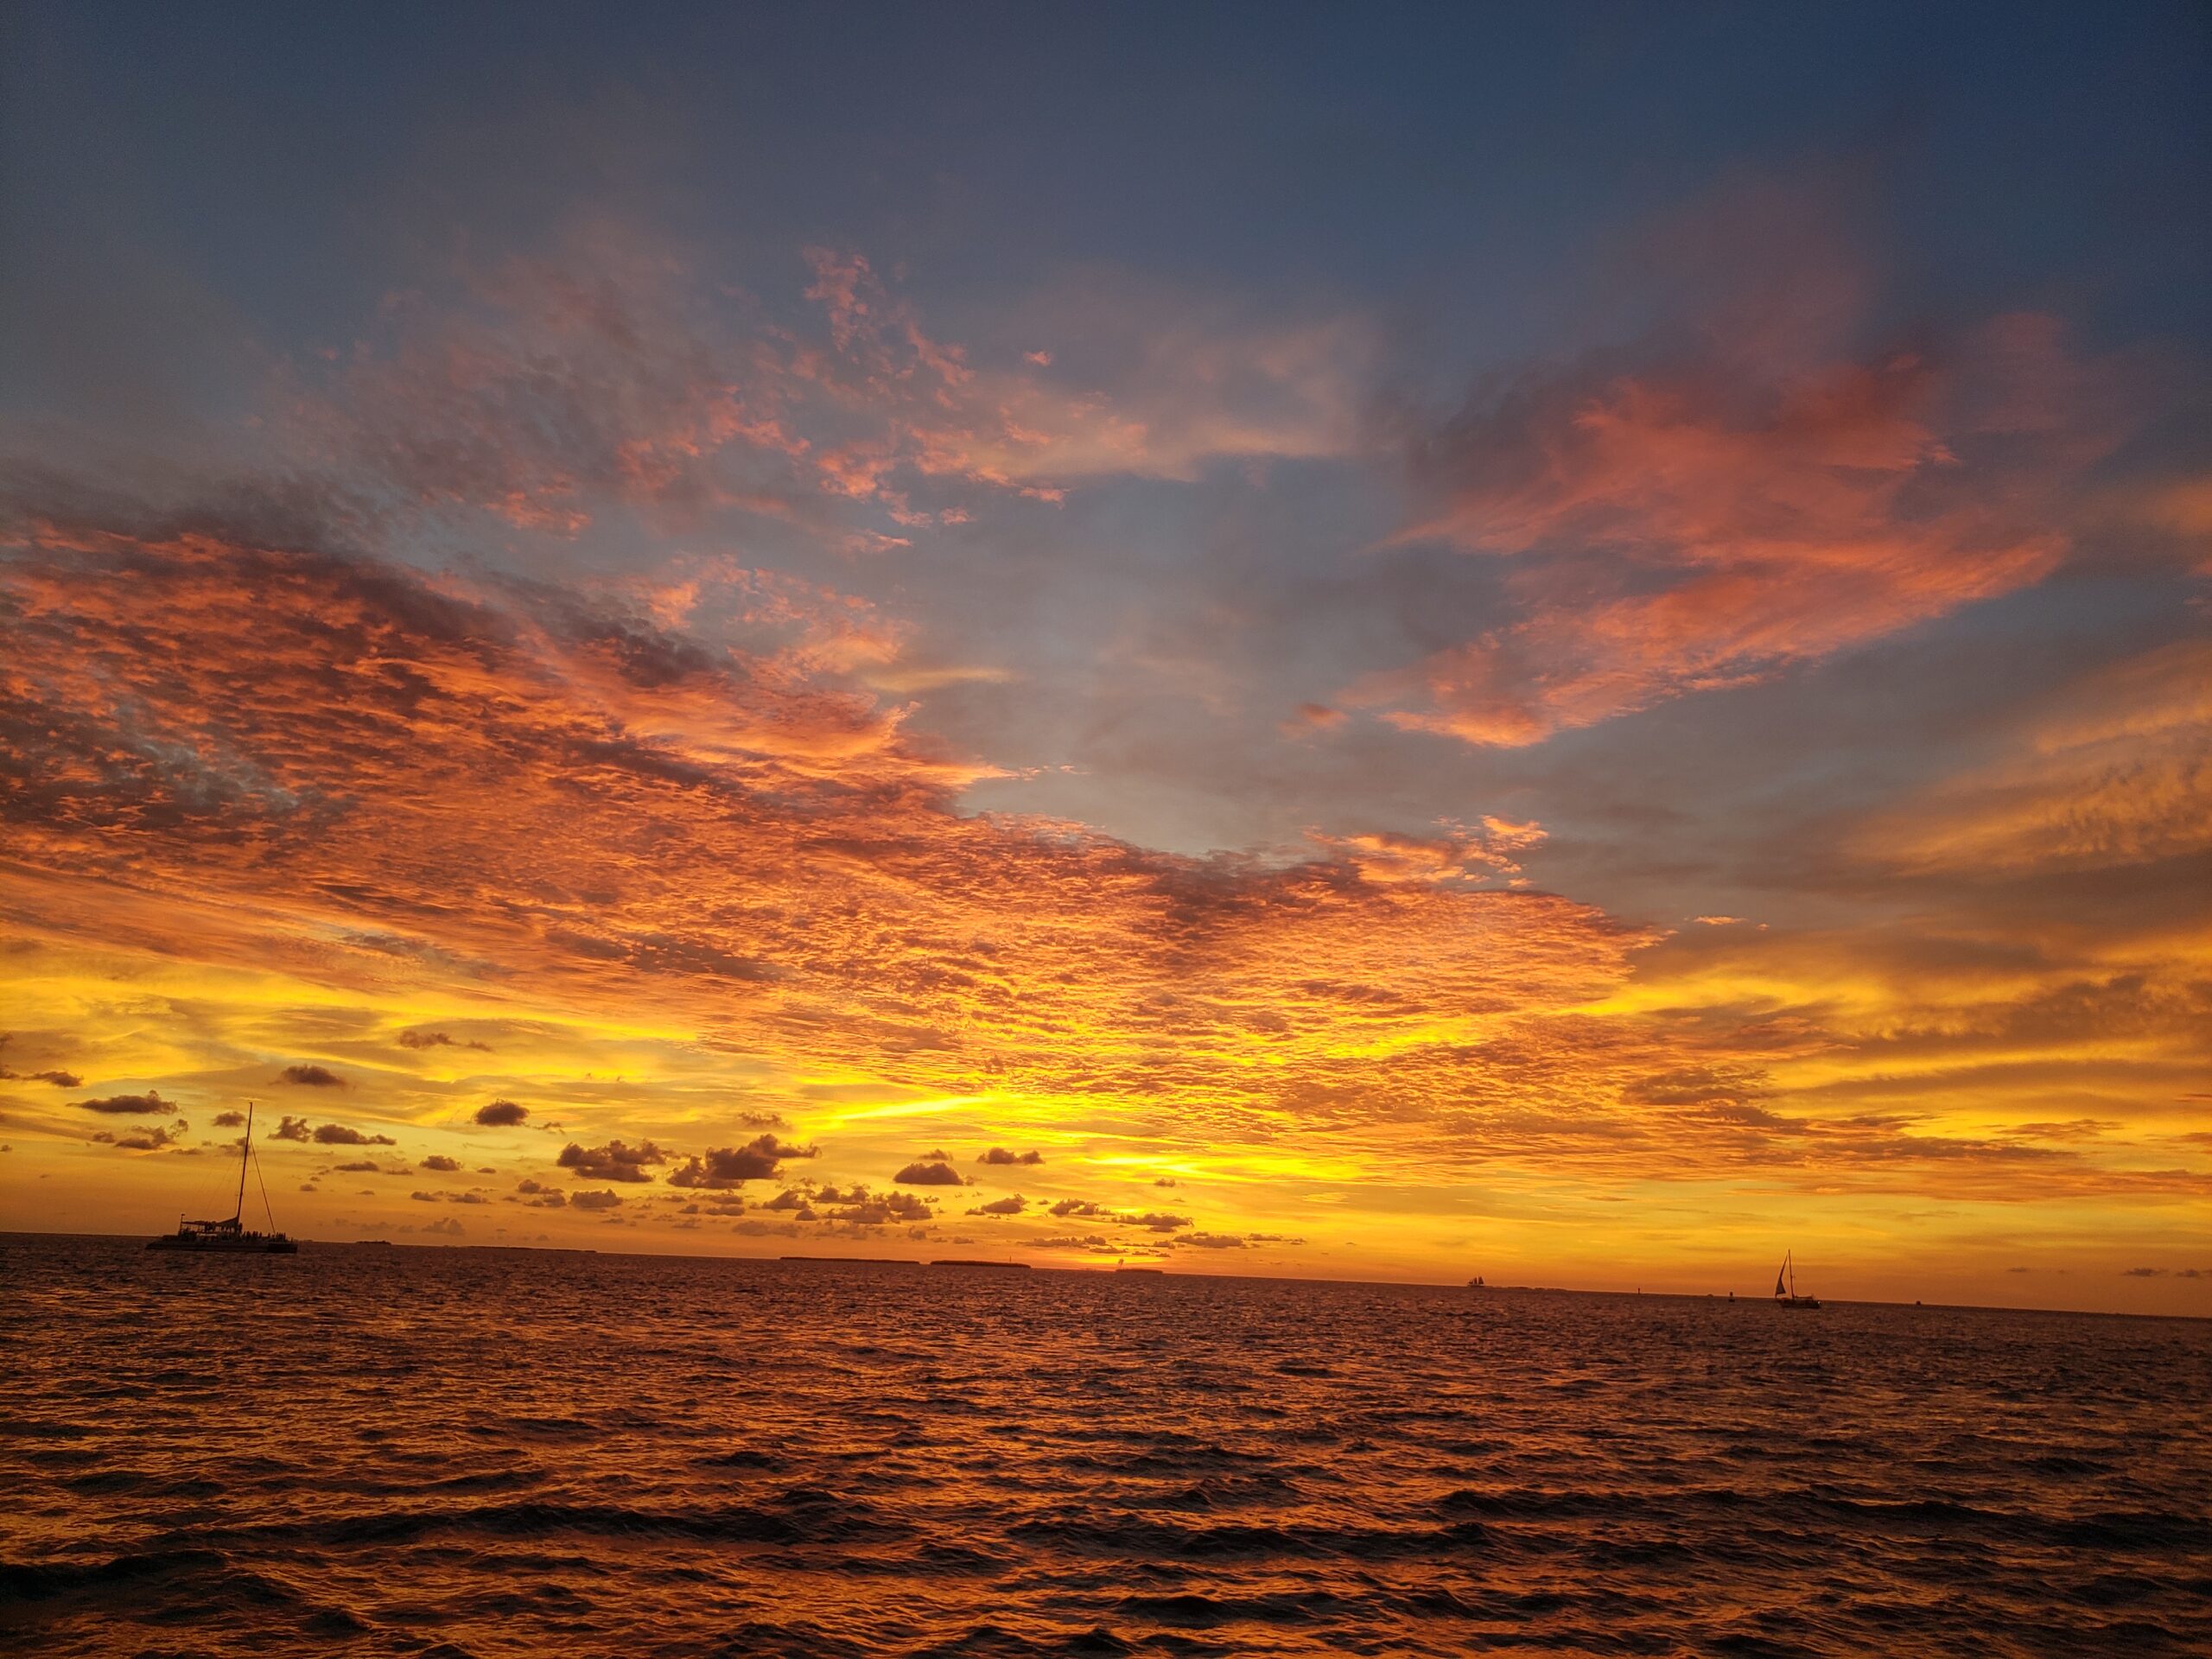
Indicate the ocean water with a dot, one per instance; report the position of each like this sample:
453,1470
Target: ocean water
477,1452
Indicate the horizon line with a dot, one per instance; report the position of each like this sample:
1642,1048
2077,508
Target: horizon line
1164,1271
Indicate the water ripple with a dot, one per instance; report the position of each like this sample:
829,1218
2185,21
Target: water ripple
486,1453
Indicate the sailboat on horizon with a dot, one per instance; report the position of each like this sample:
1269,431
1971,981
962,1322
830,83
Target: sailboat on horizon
230,1237
1785,1286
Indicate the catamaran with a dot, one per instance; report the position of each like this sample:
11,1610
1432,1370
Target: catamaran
230,1237
1785,1286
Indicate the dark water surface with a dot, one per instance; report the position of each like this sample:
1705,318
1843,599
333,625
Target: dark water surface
459,1452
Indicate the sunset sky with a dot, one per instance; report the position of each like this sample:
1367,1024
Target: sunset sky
1566,642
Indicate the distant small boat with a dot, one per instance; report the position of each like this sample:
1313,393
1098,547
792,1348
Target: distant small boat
1785,1286
229,1237
1476,1283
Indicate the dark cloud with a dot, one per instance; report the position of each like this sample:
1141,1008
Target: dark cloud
1000,1155
59,1080
153,1138
501,1114
931,1169
229,1119
759,1158
336,1135
1007,1206
603,1199
439,1161
1212,1241
149,1104
311,1076
436,1040
292,1129
616,1161
365,1166
1080,1207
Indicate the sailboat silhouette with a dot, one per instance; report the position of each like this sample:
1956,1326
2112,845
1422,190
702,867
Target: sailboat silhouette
230,1237
1785,1286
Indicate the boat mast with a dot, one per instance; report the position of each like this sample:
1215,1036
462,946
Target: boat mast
245,1152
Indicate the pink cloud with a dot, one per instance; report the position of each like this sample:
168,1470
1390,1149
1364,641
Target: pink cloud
1690,529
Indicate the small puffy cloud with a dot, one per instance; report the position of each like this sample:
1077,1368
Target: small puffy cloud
1312,717
759,1158
149,1104
616,1161
931,1169
292,1129
1000,1155
603,1200
1156,1221
365,1166
229,1119
501,1114
439,1161
1007,1206
1079,1207
543,1197
449,1226
1212,1241
311,1076
336,1135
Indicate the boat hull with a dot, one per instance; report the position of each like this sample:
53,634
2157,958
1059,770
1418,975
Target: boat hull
226,1246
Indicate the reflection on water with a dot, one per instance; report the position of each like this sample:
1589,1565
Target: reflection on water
469,1452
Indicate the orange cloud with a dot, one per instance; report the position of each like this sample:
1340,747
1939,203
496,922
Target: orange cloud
577,796
416,800
2117,772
